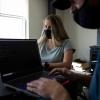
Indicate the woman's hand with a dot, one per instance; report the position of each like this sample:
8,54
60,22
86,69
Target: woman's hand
48,88
59,71
46,66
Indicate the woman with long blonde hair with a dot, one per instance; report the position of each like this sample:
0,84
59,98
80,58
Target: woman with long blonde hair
54,44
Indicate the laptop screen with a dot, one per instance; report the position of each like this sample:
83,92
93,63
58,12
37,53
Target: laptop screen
19,55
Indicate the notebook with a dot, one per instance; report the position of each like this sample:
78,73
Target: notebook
20,63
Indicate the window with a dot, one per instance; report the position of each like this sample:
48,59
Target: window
13,18
12,26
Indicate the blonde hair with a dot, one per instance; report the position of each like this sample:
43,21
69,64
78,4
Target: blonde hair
57,31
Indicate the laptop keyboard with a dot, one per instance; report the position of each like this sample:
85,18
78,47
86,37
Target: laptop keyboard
21,82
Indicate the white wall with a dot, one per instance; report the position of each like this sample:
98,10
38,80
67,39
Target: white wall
60,13
82,38
38,9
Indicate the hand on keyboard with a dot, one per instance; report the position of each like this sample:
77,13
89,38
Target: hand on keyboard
58,77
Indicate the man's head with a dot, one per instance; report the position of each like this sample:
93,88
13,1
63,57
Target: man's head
61,4
86,13
68,4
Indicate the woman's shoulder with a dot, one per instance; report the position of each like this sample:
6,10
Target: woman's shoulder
67,44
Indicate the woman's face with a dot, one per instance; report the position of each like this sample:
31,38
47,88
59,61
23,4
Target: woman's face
47,29
47,24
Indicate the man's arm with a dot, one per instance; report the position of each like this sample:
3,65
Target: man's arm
48,88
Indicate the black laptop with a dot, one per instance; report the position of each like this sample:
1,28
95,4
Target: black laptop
20,63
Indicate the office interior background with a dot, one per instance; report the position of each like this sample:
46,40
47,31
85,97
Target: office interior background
23,19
